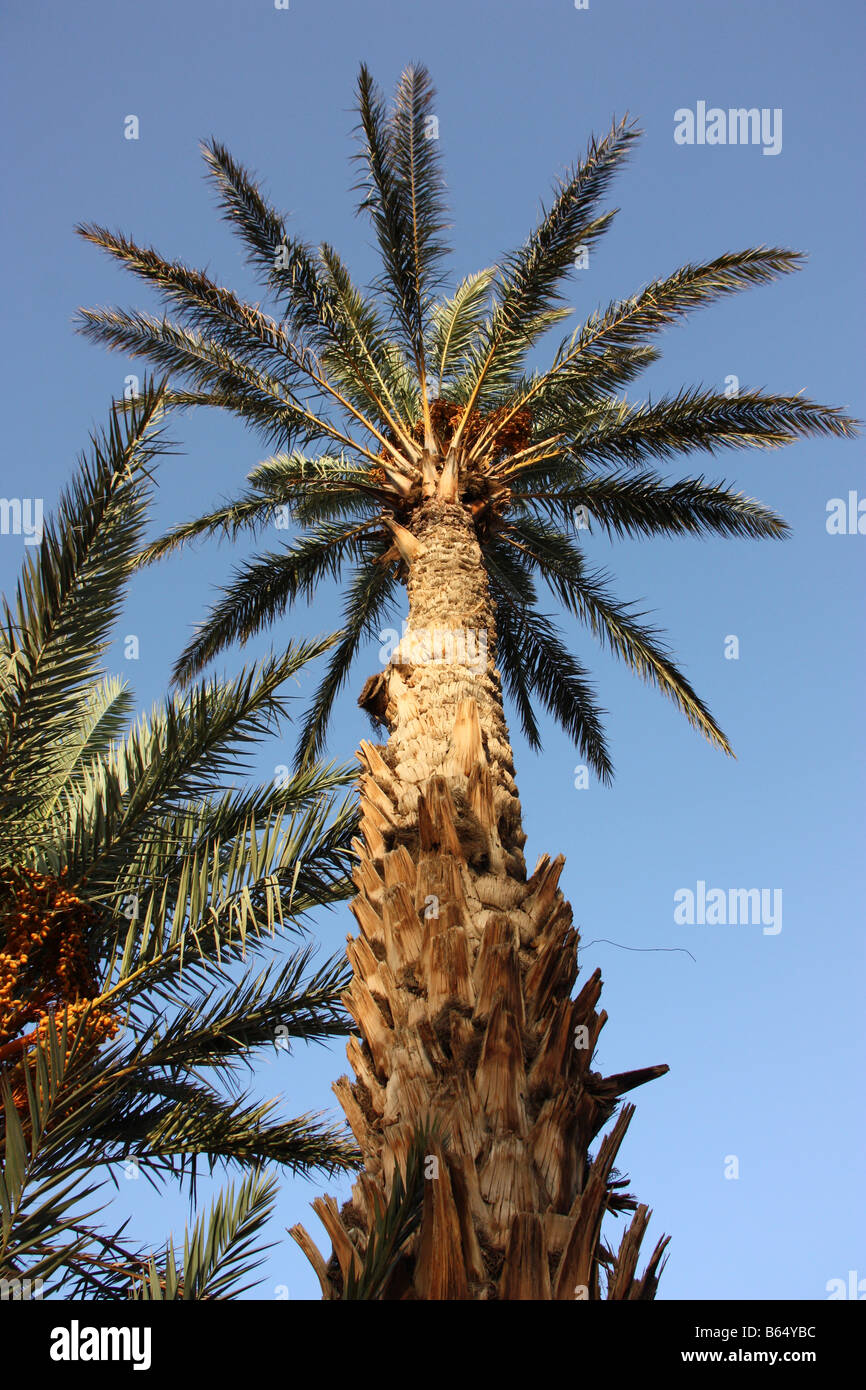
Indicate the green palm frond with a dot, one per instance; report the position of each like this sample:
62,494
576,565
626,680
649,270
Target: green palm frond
583,593
482,378
103,718
535,661
457,324
365,366
222,378
293,815
626,324
221,1252
205,308
181,753
581,385
68,599
402,191
394,1225
220,342
249,513
286,477
131,1102
530,278
218,376
216,1019
41,1197
370,596
262,589
262,229
209,892
320,303
695,418
320,489
165,879
201,1125
644,504
306,489
144,1099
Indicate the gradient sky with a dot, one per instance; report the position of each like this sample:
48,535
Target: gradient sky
763,1033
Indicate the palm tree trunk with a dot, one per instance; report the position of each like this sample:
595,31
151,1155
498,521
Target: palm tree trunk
463,977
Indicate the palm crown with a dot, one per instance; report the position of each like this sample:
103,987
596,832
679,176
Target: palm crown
379,400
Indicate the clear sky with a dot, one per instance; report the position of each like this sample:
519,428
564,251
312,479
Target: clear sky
763,1032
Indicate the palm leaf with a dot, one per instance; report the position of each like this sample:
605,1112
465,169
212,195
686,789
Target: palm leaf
68,598
262,589
393,1226
530,277
584,594
534,661
696,418
402,191
369,597
205,308
457,323
220,1252
643,504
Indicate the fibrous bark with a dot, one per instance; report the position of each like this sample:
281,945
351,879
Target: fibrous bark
464,971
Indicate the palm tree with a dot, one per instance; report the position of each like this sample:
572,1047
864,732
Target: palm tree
416,447
137,884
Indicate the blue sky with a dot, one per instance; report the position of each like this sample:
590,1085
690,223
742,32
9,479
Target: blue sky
763,1032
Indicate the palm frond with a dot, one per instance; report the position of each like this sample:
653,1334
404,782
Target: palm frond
180,753
161,880
250,513
221,1251
263,588
530,277
456,325
205,889
104,717
293,817
226,1022
584,594
483,380
365,367
262,229
205,308
68,598
643,504
221,379
308,490
627,323
580,386
321,489
202,1126
402,191
696,418
394,1225
535,661
369,597
313,306
41,1216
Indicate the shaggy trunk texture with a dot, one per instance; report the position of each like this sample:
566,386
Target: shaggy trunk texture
463,976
